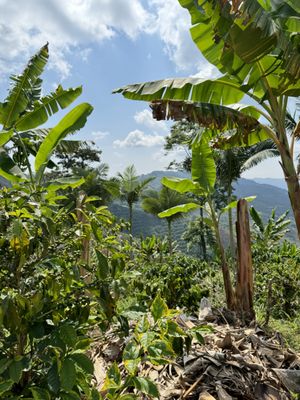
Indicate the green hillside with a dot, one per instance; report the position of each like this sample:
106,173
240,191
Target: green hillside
268,197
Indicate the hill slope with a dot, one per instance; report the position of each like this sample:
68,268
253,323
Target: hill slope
268,197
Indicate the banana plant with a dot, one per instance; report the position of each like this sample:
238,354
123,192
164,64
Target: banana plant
202,184
23,111
255,45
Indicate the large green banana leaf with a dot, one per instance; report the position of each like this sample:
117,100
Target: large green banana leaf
203,165
182,208
181,185
219,91
9,170
19,95
72,122
47,106
235,35
64,183
5,137
34,137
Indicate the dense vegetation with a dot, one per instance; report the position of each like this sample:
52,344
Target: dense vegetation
72,274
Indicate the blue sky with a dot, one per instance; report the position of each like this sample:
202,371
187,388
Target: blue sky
104,44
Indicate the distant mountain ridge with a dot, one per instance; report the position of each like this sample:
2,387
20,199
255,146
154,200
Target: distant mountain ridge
267,197
277,182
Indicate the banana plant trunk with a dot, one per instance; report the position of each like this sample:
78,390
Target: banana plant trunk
202,236
130,223
229,292
244,284
170,235
292,181
230,222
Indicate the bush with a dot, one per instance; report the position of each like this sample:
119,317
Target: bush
181,280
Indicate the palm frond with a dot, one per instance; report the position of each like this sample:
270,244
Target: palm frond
254,160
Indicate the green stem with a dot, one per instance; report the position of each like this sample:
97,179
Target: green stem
170,235
26,157
225,270
202,235
130,222
231,235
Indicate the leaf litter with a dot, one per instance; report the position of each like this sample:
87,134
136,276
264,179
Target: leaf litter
233,363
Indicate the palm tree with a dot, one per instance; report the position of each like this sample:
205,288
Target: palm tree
156,202
131,188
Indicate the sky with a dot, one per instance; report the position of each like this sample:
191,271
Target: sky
102,45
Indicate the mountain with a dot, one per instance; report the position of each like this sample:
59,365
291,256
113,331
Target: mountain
278,182
267,198
158,175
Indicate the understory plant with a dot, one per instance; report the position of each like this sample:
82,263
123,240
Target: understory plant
276,265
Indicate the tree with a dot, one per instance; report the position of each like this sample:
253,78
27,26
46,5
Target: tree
194,234
156,202
23,111
84,161
80,157
255,45
130,189
231,163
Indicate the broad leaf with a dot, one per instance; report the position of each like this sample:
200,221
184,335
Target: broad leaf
67,374
158,308
203,166
46,107
233,204
64,183
68,334
5,136
53,379
73,121
146,386
218,91
15,370
9,170
113,378
40,394
18,97
180,185
5,386
83,362
103,267
182,208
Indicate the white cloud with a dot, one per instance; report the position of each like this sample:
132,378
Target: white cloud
168,156
145,118
73,25
138,138
99,135
173,23
68,25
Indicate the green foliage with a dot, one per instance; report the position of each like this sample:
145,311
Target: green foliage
179,279
277,275
24,110
156,338
42,322
268,234
257,51
277,280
